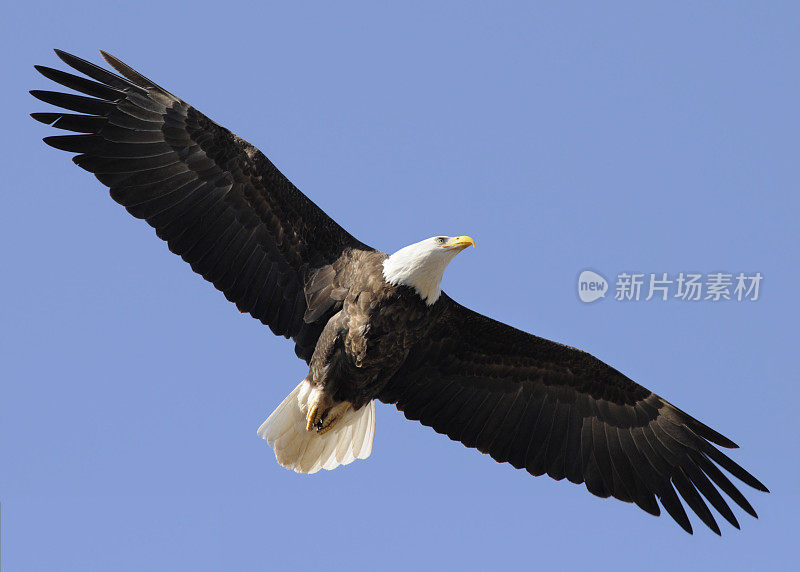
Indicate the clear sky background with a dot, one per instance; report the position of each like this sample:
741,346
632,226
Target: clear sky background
658,138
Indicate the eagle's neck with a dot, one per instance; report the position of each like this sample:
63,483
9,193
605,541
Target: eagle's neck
414,267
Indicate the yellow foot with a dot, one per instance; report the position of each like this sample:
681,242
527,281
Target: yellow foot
323,413
330,418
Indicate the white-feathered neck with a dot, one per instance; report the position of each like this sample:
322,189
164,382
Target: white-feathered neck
420,266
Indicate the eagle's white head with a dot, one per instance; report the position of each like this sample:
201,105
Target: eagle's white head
421,265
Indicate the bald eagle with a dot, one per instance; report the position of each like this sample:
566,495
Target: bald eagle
373,326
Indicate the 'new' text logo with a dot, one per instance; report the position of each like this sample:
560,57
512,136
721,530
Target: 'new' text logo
591,286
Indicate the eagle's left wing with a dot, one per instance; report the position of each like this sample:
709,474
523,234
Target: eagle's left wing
214,198
551,408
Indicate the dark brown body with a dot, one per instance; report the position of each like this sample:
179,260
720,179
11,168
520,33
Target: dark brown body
369,338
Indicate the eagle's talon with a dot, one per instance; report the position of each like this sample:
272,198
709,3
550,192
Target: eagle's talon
319,407
323,421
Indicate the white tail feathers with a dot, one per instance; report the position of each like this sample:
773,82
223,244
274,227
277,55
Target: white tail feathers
308,451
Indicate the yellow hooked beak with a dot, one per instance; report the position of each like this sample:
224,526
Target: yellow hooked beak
460,242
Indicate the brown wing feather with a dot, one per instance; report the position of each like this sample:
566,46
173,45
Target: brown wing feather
553,409
218,202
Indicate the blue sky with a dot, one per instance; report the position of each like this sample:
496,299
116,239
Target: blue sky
561,137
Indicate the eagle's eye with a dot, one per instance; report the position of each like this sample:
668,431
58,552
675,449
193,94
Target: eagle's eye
441,240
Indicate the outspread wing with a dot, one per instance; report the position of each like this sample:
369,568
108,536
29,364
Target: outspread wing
553,409
218,202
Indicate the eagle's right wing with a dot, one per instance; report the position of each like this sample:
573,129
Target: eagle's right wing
217,200
554,409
